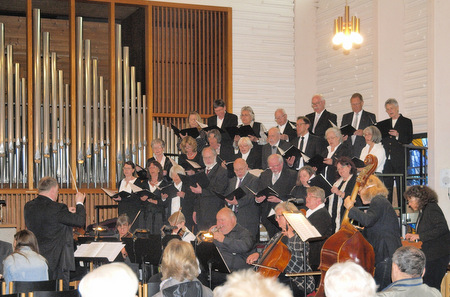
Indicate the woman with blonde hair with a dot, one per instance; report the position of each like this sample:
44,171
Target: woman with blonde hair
179,268
189,152
382,229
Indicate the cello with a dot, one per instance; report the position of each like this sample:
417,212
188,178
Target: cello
348,243
274,259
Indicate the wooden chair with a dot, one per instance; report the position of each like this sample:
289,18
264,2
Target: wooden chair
30,286
70,293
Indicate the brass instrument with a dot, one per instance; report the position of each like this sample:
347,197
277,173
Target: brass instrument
207,236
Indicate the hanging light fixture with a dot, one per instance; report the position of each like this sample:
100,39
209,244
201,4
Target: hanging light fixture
346,31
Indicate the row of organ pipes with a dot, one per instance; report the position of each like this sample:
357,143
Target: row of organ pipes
51,116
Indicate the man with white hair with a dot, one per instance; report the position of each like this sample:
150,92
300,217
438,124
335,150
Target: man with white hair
110,280
287,128
408,268
321,118
349,279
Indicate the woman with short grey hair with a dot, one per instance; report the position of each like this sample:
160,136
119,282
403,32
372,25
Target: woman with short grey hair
374,147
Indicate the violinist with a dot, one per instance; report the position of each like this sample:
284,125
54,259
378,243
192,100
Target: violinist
178,221
123,231
382,229
295,246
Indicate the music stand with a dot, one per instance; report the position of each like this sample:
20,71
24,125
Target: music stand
210,258
141,250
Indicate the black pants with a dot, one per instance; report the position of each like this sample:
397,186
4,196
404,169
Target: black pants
383,273
435,271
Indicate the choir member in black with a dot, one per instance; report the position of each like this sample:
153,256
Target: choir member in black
153,207
248,118
123,231
399,132
224,152
189,152
334,151
321,119
319,217
274,142
358,119
249,152
296,247
192,121
286,128
158,147
281,179
342,188
382,229
223,119
183,198
432,231
246,209
304,175
207,203
130,205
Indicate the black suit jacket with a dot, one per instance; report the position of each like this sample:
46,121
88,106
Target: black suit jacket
393,147
253,159
367,119
314,146
267,151
290,130
331,170
229,120
207,204
53,223
248,210
320,219
324,122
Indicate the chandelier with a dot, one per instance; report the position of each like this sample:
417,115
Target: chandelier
346,31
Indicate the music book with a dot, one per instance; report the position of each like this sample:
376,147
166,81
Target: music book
302,226
193,132
199,178
170,190
242,131
238,193
358,162
384,127
290,152
316,161
264,192
191,165
139,192
108,250
321,182
207,128
347,130
116,194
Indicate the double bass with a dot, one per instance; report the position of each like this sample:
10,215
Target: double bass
348,243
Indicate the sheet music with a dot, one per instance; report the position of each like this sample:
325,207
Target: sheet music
302,226
108,250
135,188
109,192
194,164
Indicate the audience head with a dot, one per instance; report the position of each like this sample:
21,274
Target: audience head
275,163
345,166
318,103
246,283
349,279
226,220
158,146
123,225
303,124
179,261
407,262
188,145
392,108
374,186
334,136
373,134
315,196
48,186
247,115
192,119
273,135
240,167
219,108
245,144
304,175
419,196
209,156
214,138
280,116
357,102
25,238
112,280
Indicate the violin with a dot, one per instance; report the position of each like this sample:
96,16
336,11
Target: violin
348,243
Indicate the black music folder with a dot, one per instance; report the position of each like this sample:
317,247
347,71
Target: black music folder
191,165
358,162
170,190
116,194
291,152
316,161
320,181
265,192
242,131
347,130
199,178
193,132
384,127
238,193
